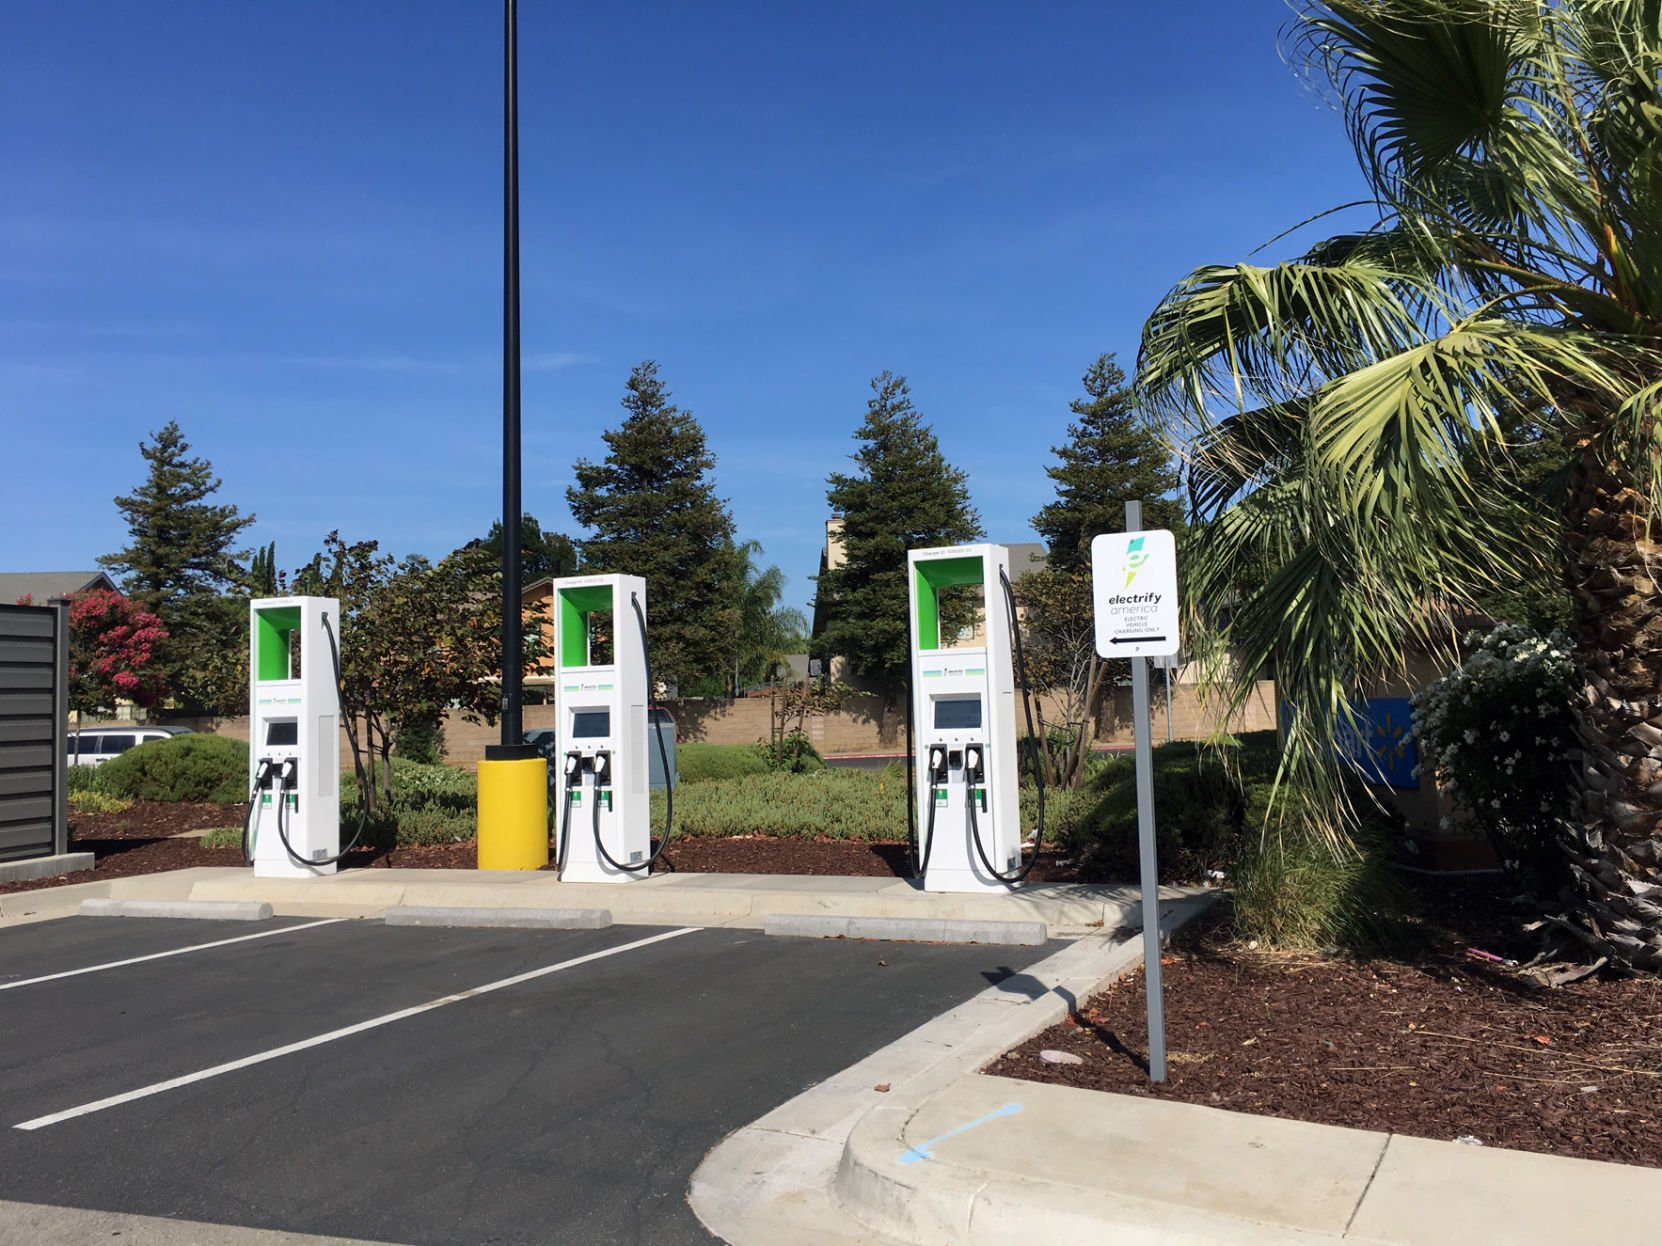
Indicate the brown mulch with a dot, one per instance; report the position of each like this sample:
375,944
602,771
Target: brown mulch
748,854
1436,1044
138,841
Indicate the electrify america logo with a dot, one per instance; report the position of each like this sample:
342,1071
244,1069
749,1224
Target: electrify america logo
1135,559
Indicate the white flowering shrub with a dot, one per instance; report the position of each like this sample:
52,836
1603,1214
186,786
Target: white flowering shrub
1499,733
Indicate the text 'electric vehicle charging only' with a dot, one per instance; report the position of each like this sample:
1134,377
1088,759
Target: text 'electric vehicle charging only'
963,710
603,690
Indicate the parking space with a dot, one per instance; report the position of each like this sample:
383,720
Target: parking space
428,1086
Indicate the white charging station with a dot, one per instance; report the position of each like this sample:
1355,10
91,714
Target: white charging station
963,705
293,736
600,730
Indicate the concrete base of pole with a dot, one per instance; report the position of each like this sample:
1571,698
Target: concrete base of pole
513,814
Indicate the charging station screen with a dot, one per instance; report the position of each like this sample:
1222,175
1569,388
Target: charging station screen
282,734
591,724
961,714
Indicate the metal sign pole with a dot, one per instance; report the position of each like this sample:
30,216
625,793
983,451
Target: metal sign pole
1150,873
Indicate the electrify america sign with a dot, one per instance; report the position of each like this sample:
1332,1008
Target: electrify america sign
1134,590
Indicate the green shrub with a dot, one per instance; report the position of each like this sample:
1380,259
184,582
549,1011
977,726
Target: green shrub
838,804
85,779
1200,803
699,763
796,754
89,801
1295,891
1500,734
430,805
421,739
181,767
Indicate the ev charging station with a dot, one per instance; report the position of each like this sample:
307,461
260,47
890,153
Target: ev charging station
600,732
963,703
293,826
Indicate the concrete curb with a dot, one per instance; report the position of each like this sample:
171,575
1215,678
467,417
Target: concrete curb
199,910
917,929
44,867
528,919
775,1180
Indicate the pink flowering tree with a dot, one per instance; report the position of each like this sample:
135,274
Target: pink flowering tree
112,646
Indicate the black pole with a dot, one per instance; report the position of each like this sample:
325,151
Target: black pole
513,661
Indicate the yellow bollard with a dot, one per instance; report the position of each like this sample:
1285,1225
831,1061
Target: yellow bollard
513,814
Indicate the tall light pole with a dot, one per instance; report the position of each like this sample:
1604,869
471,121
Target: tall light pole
513,661
513,778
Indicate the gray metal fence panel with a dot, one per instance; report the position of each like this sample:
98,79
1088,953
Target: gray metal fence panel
34,700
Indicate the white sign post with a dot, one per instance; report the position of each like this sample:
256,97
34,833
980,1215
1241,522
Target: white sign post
1134,590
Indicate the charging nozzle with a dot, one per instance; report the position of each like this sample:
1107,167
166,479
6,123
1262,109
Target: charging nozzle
602,769
937,764
289,778
973,770
573,768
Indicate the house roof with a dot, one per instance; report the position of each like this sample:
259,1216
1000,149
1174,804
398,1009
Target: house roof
41,586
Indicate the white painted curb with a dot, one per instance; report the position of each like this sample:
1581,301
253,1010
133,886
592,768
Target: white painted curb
531,919
198,910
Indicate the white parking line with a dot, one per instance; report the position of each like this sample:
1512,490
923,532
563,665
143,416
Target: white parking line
173,1083
178,951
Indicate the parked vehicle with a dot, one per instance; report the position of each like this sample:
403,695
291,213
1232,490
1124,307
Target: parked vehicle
96,745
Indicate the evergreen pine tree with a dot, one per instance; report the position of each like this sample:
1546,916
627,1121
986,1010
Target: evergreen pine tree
1111,458
902,496
651,510
180,565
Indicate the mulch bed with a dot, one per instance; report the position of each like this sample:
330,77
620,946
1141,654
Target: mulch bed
747,854
138,841
1436,1044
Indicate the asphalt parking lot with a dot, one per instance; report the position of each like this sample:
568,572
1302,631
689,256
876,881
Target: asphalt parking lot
426,1085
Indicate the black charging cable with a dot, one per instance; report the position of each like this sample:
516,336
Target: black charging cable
357,768
641,867
1016,876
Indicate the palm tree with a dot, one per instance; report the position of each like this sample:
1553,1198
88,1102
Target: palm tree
1343,415
767,632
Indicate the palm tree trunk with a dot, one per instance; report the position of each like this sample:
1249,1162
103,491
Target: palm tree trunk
1616,852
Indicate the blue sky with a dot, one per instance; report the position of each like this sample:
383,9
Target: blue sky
279,223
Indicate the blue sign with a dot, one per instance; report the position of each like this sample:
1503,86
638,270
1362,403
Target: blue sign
1382,744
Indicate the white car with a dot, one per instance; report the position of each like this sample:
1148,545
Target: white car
96,745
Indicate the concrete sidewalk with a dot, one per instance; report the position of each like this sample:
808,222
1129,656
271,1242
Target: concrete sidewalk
913,1145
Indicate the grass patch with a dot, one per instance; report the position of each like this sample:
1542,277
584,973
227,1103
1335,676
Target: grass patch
223,837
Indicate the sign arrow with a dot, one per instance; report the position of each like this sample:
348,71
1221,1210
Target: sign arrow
1133,640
